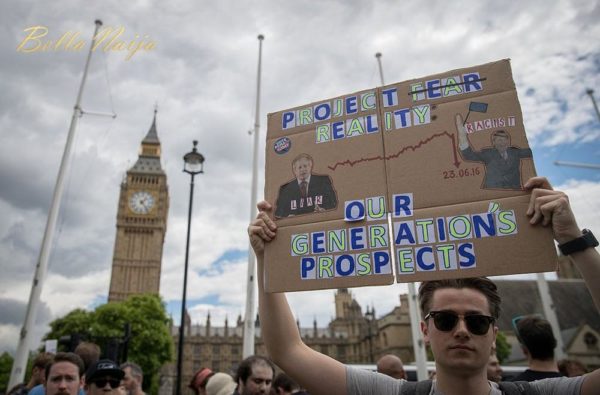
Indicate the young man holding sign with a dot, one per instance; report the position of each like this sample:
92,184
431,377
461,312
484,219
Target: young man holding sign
459,321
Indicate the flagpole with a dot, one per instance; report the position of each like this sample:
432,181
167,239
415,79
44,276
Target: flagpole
248,345
550,314
20,363
413,305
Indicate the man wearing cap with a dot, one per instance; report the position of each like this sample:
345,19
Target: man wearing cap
103,378
198,383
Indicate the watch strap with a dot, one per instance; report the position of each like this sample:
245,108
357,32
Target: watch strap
581,243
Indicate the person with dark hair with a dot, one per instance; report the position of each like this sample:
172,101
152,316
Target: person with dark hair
88,352
254,376
38,372
199,380
284,385
538,344
133,379
502,161
391,365
459,320
307,192
64,374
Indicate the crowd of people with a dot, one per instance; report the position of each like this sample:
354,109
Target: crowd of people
458,325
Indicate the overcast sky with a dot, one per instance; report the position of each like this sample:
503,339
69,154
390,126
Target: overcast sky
202,74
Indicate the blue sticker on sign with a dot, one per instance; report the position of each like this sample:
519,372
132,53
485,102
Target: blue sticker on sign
282,145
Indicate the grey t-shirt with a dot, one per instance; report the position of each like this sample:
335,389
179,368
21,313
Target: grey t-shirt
364,382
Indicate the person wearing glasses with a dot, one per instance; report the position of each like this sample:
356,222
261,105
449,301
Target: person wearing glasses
459,319
103,378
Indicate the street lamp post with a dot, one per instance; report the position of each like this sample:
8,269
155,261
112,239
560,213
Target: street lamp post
192,164
370,316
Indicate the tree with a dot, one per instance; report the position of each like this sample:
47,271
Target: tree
150,345
6,362
502,347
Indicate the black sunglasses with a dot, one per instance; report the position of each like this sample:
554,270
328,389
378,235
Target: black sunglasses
445,321
101,383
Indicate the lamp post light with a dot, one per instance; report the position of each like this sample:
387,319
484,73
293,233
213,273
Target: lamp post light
370,316
193,163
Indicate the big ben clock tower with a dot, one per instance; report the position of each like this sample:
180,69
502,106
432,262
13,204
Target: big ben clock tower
141,224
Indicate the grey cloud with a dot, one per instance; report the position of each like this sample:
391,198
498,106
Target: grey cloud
12,312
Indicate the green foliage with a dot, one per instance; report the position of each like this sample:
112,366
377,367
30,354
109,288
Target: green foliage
6,362
150,345
502,347
77,321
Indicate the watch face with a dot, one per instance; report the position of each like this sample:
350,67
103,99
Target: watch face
141,202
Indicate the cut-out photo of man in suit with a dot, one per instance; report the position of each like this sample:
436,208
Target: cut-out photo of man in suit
307,192
502,161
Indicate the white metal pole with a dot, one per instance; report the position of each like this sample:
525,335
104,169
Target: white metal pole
413,305
550,314
417,336
248,347
577,164
20,363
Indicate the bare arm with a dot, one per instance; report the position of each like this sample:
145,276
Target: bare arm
463,141
552,207
318,373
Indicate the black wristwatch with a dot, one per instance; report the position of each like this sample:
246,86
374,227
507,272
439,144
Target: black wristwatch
579,244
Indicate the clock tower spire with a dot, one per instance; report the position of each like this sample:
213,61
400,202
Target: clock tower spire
141,224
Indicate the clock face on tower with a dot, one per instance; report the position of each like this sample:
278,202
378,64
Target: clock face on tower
141,202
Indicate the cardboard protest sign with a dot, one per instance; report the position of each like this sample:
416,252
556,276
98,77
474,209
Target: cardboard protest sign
446,155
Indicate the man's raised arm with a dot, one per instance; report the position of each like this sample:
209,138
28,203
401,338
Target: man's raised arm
318,373
552,207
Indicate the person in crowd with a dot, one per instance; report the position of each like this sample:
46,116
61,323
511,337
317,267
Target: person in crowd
64,374
284,385
220,384
459,319
254,376
199,380
133,379
88,352
37,375
392,366
571,368
103,378
494,370
538,344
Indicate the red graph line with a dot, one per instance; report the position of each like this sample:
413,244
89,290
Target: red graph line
421,143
